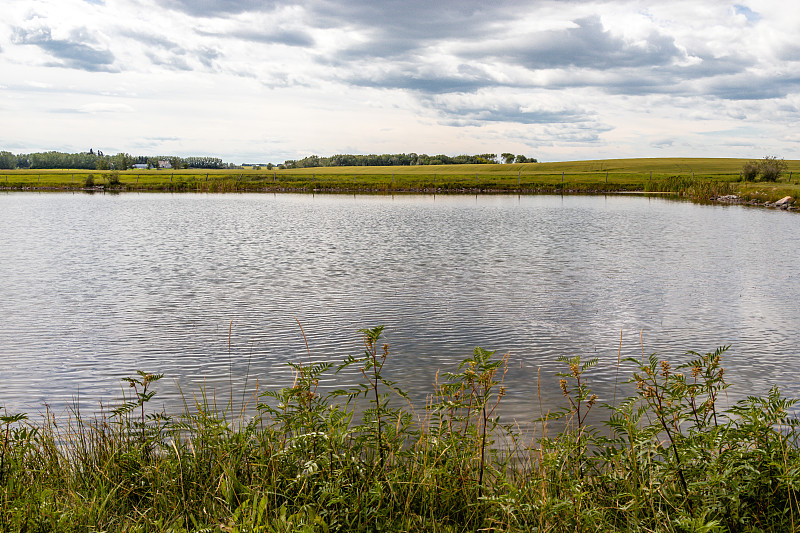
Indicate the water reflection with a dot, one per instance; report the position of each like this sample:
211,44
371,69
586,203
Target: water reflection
95,287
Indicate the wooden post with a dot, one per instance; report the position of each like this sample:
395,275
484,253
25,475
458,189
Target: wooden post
562,179
519,178
606,177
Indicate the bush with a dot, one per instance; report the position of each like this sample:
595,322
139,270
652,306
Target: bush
89,181
113,179
750,171
771,168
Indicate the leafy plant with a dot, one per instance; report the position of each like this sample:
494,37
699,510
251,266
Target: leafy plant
771,168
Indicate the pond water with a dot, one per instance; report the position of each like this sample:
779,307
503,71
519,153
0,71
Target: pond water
209,290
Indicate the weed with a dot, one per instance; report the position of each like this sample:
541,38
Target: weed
672,457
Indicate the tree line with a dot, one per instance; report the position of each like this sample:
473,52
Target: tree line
410,159
97,160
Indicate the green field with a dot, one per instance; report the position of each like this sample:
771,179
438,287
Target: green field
694,177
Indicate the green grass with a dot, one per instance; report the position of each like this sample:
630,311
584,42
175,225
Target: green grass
693,177
670,458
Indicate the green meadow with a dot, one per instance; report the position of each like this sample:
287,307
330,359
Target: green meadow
698,178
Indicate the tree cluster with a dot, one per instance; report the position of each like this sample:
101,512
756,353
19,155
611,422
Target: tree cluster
390,160
509,158
97,160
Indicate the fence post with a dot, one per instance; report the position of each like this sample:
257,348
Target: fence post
606,177
519,178
562,179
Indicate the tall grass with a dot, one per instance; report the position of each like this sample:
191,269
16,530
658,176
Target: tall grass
669,458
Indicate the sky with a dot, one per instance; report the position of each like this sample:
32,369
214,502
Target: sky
266,81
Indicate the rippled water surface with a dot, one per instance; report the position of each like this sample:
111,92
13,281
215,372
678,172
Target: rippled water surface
210,289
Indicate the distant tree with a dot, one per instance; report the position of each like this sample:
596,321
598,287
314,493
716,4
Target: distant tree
507,158
102,163
523,159
176,162
122,161
270,166
8,160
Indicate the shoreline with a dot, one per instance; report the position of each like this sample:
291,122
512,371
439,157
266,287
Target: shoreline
787,203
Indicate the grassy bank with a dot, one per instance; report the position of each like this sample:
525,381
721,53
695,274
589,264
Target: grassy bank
669,459
696,178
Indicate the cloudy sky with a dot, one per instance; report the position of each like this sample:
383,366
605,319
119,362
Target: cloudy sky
265,81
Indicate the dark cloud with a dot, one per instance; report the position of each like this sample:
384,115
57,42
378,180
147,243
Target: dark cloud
207,56
74,53
790,52
515,114
588,45
428,84
213,8
170,61
663,143
286,37
754,87
149,39
496,109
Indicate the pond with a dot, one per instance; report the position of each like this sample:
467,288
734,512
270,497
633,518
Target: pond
212,290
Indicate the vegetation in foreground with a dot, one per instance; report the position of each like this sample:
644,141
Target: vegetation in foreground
698,179
670,458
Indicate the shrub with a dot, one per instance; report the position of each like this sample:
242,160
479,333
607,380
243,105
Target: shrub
750,171
89,181
771,168
113,179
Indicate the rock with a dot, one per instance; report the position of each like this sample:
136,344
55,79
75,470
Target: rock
786,200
